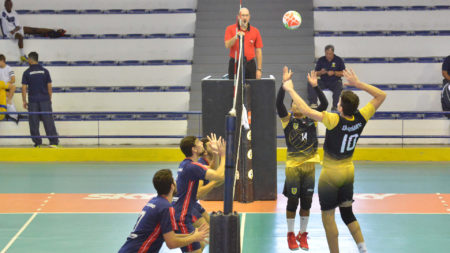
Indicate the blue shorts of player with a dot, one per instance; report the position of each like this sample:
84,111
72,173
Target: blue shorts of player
197,212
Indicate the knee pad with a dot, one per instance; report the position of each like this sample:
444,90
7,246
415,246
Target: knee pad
292,204
305,203
347,215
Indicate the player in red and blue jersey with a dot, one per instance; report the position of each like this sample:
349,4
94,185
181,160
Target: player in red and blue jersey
156,222
189,175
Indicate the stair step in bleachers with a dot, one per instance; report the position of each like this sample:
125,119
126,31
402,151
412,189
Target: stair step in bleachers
182,22
388,46
382,33
382,20
104,4
98,50
142,75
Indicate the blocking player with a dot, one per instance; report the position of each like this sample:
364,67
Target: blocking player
301,141
337,176
189,175
156,223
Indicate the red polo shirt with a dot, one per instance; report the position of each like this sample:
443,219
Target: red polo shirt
252,40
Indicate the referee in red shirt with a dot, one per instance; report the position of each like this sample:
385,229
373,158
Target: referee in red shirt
252,46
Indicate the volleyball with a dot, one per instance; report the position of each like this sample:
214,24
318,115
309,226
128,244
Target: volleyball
292,20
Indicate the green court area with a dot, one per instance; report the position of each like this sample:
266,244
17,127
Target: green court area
263,232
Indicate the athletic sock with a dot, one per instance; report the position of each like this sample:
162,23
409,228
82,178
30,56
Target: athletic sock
291,224
303,223
362,247
22,52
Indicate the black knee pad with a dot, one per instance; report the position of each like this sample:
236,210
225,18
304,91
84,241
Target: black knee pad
347,215
305,203
292,204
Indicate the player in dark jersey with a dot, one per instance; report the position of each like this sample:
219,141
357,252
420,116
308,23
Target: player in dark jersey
189,175
156,222
337,176
301,141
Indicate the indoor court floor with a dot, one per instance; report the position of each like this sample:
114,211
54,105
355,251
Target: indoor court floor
92,207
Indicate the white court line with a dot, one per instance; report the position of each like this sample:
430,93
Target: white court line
18,233
242,230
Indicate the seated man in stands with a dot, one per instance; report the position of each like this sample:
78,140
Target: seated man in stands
445,95
446,70
11,28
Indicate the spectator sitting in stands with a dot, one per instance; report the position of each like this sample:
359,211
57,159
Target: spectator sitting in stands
8,77
11,28
446,70
330,70
445,99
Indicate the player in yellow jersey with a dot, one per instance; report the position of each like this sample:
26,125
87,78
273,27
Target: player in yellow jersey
337,176
301,141
3,99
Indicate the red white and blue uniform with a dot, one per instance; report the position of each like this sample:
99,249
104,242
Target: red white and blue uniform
189,174
156,219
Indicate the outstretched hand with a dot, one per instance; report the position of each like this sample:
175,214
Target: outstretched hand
352,78
287,74
214,143
312,78
202,233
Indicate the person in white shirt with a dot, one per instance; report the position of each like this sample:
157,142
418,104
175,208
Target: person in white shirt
12,29
7,79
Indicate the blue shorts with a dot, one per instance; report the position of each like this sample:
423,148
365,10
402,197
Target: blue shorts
197,212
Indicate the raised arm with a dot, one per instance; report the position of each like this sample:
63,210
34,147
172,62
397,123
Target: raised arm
312,80
219,173
377,94
288,85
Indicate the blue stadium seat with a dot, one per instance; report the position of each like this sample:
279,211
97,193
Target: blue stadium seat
383,115
45,11
419,8
105,63
93,11
22,12
155,62
178,88
98,117
152,89
431,87
424,33
181,36
375,33
149,116
349,8
325,8
78,89
115,11
402,59
82,63
176,116
179,62
127,89
130,63
406,87
410,115
123,117
433,115
383,86
111,36
350,33
184,10
58,89
353,60
443,32
57,63
426,59
87,36
325,33
398,33
373,8
14,63
377,60
160,11
157,35
68,11
442,7
138,11
395,8
134,36
71,117
103,89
